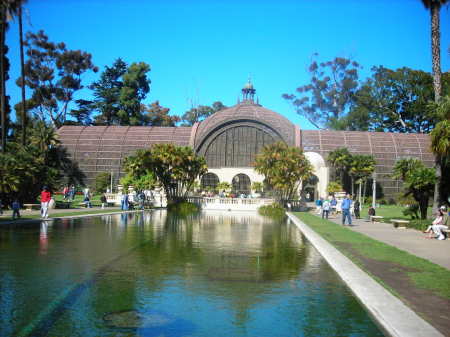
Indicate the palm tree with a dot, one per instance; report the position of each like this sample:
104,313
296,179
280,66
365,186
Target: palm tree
435,6
22,74
340,160
440,138
8,8
362,167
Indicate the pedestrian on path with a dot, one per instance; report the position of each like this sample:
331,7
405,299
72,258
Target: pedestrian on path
325,208
103,200
16,209
346,205
45,200
356,209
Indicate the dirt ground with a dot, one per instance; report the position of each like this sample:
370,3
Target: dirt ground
433,308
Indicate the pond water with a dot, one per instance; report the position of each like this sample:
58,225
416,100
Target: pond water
156,274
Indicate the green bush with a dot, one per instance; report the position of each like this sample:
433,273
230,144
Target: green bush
391,201
274,211
419,224
412,211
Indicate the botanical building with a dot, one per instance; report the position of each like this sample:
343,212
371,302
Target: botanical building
230,139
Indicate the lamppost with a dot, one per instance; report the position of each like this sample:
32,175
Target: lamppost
374,189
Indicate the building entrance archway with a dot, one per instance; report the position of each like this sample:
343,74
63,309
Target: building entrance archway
209,181
241,184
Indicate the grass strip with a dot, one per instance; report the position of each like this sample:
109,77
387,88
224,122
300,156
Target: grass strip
422,273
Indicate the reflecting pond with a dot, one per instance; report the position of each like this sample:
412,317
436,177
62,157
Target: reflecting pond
156,274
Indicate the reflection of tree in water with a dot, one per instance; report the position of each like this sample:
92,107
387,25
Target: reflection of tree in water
239,273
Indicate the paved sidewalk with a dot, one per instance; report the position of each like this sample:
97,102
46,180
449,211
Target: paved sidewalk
409,240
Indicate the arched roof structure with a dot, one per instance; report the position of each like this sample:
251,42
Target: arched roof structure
386,148
245,113
103,148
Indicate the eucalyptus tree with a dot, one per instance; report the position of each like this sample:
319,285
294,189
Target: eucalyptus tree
284,168
199,113
157,115
329,95
54,74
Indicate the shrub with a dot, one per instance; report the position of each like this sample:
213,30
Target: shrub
419,224
102,182
274,211
334,187
412,211
391,201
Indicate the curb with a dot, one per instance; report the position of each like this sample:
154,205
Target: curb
9,222
392,315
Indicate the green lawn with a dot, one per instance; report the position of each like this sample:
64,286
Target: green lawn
396,212
422,273
95,199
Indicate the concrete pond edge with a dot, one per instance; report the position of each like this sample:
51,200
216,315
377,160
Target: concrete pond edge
390,313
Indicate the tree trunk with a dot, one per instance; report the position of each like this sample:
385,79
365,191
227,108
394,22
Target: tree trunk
436,49
22,72
364,191
436,60
353,186
2,76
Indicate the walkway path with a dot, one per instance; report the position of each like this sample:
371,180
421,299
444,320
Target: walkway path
409,240
6,217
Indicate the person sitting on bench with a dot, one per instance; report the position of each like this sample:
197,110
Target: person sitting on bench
439,225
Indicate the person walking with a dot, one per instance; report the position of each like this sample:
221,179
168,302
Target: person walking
103,200
356,209
346,205
325,208
333,204
16,209
45,200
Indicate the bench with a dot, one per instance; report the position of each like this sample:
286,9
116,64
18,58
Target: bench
399,223
375,218
30,207
62,204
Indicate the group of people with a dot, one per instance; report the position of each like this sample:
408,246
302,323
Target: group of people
439,225
69,193
346,206
126,205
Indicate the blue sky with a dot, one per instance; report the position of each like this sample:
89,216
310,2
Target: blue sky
203,51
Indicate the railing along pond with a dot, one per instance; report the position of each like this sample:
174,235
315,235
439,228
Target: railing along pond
242,204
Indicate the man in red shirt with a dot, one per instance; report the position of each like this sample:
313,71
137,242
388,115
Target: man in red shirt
45,200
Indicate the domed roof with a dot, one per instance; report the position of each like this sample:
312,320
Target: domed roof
246,111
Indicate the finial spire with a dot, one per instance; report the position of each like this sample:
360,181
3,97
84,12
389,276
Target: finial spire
248,92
